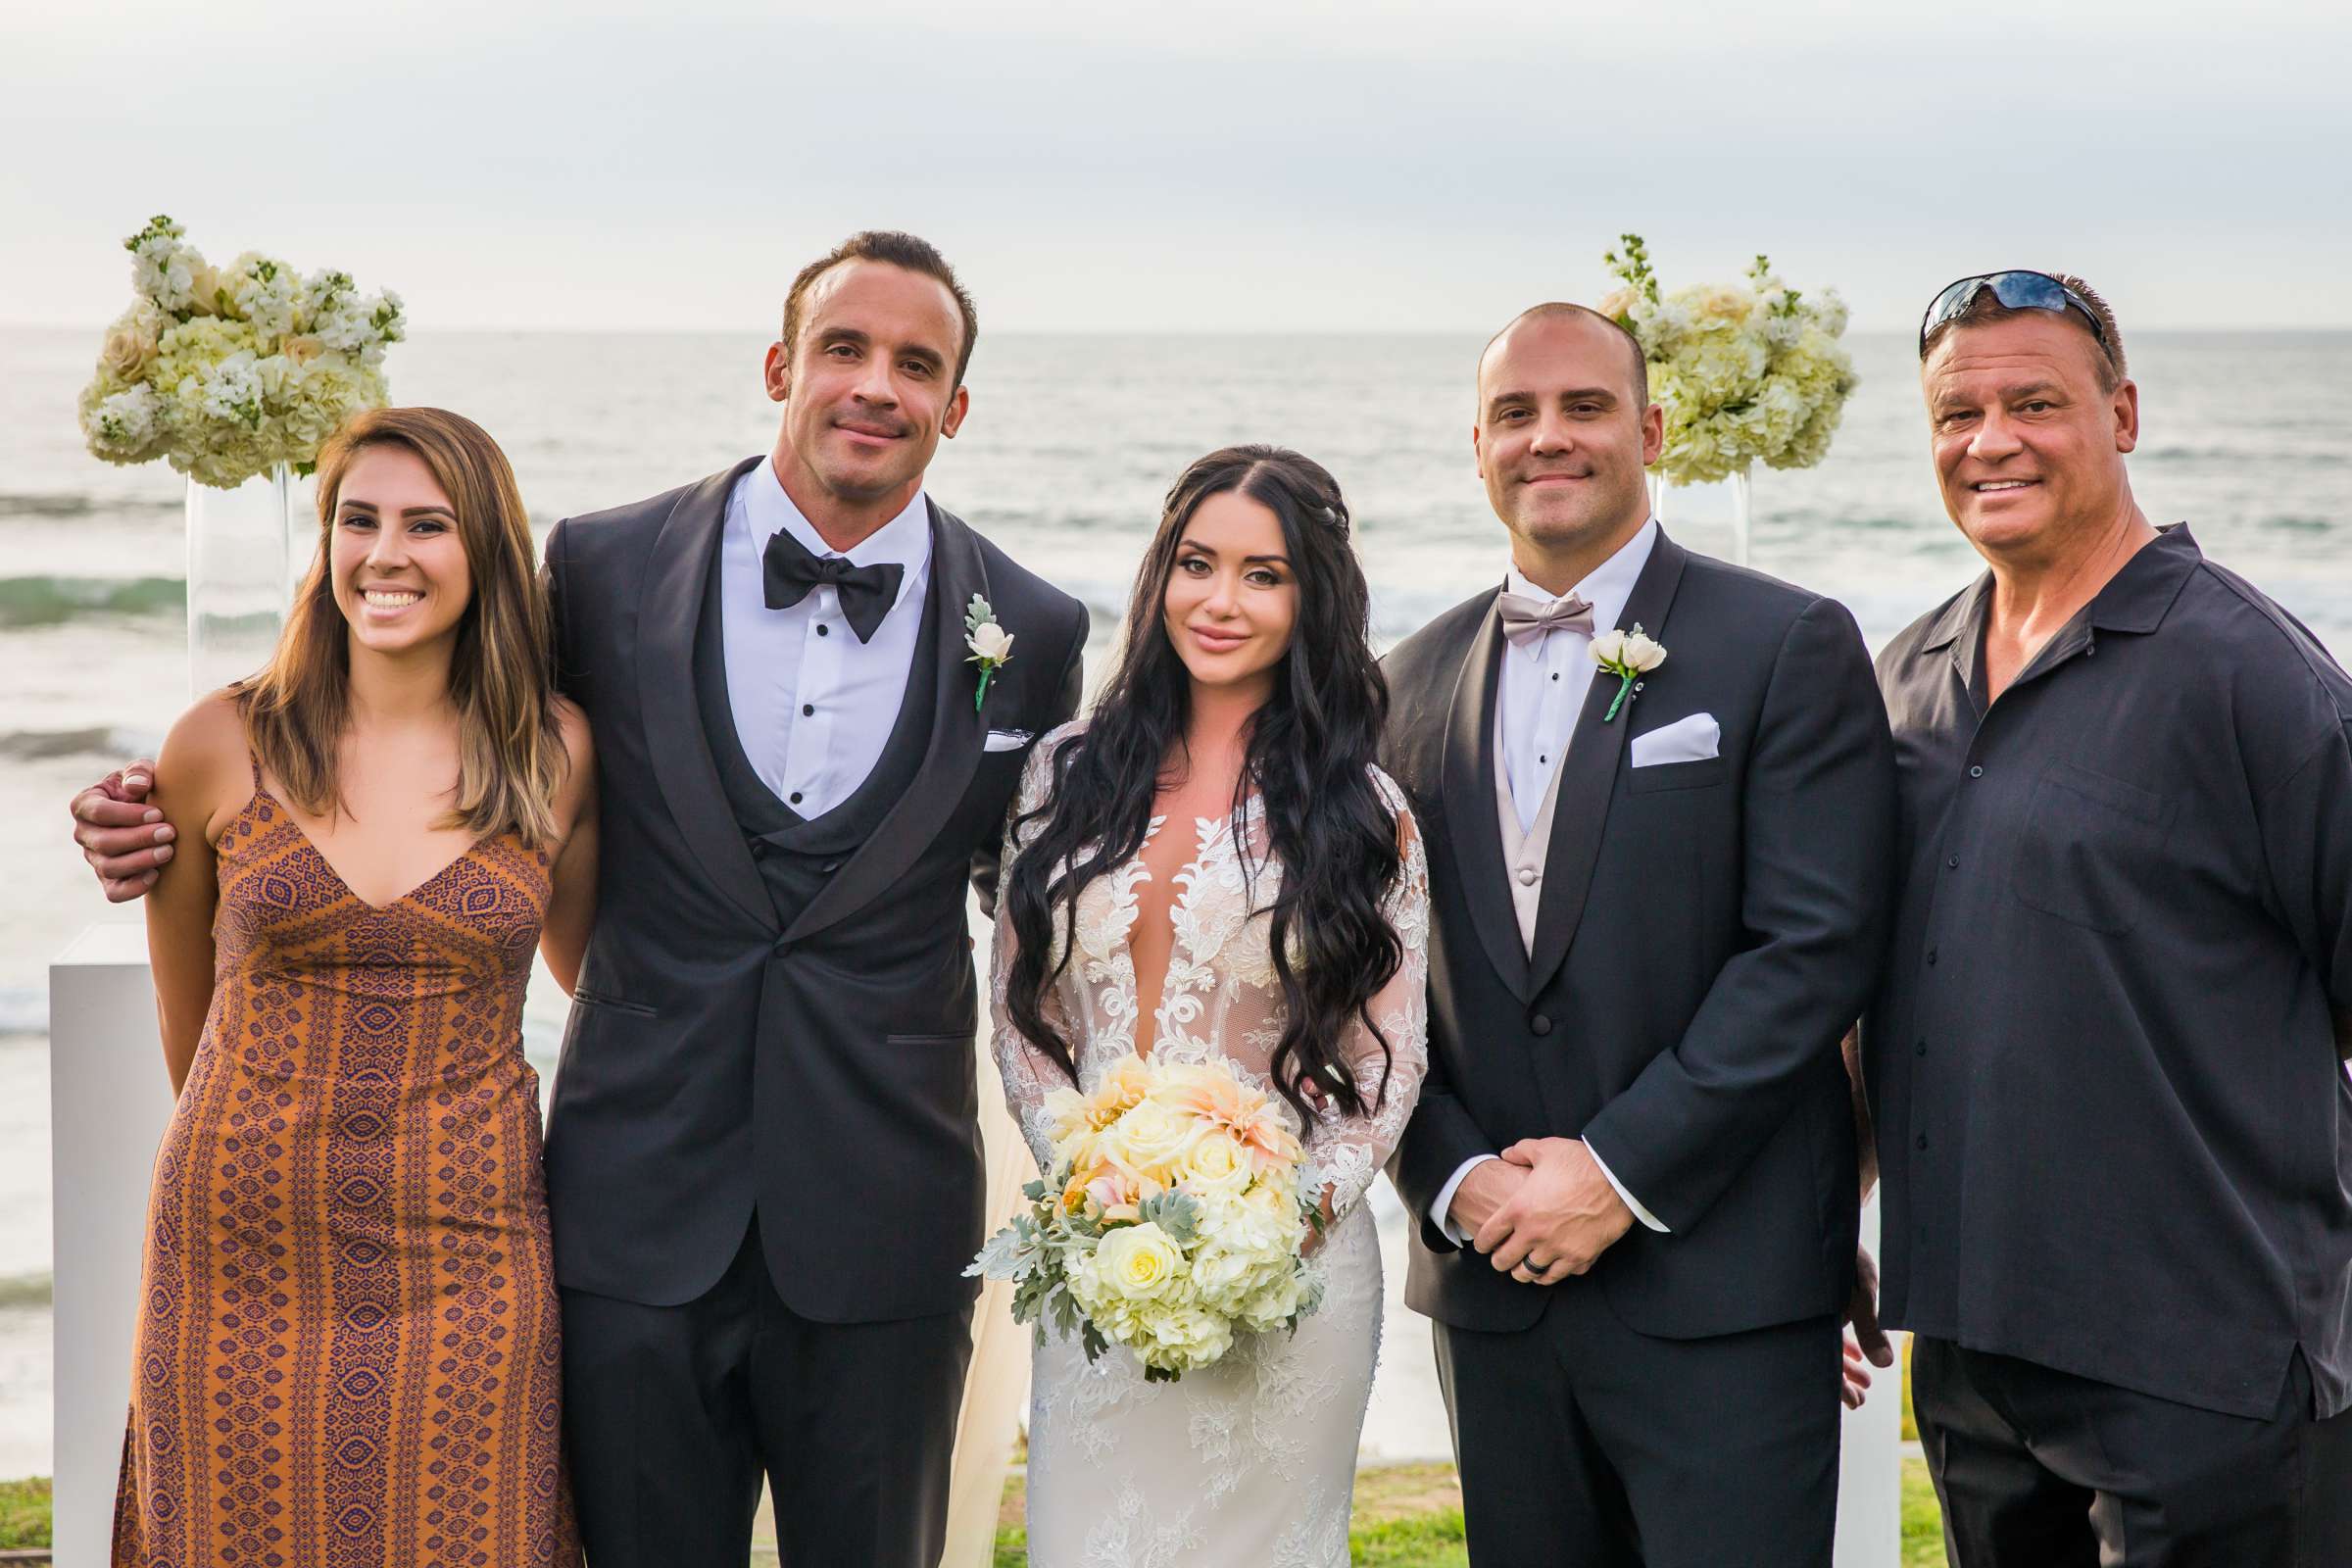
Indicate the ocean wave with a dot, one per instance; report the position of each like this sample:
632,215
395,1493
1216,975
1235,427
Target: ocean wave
23,1011
24,1290
74,504
49,600
47,745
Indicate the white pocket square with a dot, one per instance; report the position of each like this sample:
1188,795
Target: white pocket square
1686,740
1006,740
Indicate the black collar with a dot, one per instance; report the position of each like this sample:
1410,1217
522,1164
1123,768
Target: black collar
2136,599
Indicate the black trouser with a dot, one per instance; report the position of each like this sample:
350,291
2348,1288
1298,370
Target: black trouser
2038,1468
1583,1443
673,1413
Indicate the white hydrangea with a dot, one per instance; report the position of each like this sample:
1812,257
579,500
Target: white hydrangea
231,391
229,372
124,427
267,294
1746,372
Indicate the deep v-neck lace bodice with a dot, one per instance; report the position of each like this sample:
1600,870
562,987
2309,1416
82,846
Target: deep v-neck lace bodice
1209,837
1250,1460
1220,995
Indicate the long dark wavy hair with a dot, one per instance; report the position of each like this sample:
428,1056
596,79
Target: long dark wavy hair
1309,752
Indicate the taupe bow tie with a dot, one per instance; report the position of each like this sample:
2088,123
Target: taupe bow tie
1525,620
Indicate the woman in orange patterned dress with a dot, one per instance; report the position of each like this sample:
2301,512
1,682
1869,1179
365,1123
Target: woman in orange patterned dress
348,1351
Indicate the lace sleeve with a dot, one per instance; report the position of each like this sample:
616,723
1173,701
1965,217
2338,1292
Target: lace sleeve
1348,1150
1029,1074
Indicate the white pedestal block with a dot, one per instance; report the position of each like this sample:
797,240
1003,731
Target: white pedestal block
109,1099
1869,1461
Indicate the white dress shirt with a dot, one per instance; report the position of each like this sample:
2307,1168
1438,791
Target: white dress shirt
813,705
1544,682
1540,694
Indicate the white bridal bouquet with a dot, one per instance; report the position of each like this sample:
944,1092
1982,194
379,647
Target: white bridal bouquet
227,371
1172,1222
1748,372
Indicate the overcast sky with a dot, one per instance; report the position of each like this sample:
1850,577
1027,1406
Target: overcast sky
1275,164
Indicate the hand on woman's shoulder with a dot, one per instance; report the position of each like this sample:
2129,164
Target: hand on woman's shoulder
204,774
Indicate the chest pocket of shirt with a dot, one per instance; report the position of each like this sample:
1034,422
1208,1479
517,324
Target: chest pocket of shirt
2086,847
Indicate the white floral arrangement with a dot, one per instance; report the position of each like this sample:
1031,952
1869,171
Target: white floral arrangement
225,372
1172,1221
1747,373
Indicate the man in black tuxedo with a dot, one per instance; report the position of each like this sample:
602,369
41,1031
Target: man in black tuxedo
763,1163
1659,903
763,1157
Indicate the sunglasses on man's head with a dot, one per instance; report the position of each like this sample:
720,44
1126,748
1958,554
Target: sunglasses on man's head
2020,290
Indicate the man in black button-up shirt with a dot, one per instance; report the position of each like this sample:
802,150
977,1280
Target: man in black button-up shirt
2105,1061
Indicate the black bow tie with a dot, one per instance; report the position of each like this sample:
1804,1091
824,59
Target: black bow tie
866,592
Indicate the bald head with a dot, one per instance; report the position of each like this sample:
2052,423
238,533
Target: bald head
1561,311
1564,434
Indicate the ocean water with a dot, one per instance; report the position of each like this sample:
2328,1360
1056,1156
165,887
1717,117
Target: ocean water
1070,444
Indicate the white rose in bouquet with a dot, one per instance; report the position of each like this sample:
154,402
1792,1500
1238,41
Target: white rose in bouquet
1170,1220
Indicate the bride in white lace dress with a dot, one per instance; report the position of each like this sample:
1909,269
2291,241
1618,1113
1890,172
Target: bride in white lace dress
1236,734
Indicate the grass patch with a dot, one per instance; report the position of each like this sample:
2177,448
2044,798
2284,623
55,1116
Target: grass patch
1923,1519
1910,1420
1407,1517
1426,1541
1410,1516
25,1514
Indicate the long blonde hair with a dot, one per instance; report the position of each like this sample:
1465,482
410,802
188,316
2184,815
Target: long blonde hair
510,755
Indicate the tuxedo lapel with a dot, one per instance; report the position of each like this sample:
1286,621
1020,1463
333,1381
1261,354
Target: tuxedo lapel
958,734
669,609
1468,772
1588,783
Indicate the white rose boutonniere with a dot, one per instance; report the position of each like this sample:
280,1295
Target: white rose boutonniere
1628,655
990,643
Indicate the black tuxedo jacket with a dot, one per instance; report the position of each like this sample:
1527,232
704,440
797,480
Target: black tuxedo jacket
721,1061
1706,932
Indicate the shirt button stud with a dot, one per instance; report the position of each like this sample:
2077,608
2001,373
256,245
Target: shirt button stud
1539,1023
1976,773
808,710
796,800
825,631
1952,863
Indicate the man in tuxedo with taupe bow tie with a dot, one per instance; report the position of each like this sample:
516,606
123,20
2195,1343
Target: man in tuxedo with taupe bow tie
1659,898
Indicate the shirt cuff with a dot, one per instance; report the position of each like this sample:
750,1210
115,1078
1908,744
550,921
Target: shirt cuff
1631,1202
1445,1203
